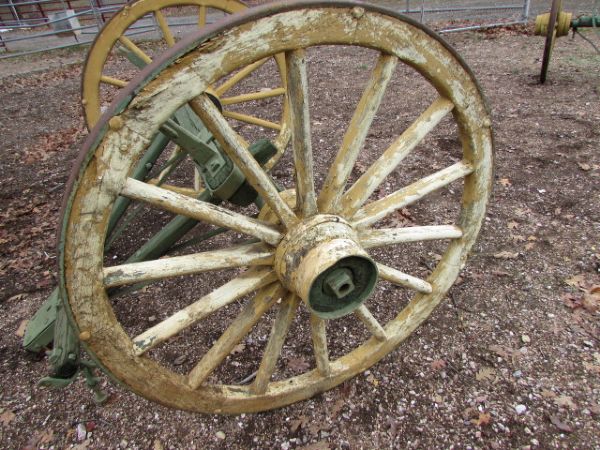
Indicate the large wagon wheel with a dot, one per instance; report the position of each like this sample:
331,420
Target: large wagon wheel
114,35
311,251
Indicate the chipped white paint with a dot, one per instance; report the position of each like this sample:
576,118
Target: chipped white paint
106,174
382,237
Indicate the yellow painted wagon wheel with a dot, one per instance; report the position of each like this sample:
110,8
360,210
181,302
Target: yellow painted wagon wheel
114,34
311,251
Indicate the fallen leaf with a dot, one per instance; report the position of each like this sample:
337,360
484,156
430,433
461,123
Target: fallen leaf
157,445
591,368
7,417
82,445
506,255
22,328
584,166
572,301
483,420
512,225
321,445
499,350
469,412
371,379
336,408
560,425
298,423
505,182
576,280
591,302
485,374
298,364
565,401
500,273
438,364
529,246
238,349
546,393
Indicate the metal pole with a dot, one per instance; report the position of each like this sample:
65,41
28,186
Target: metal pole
15,12
525,15
422,10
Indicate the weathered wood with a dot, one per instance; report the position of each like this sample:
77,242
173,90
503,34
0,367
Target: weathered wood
382,237
196,209
239,76
242,324
306,199
114,81
318,329
403,279
201,16
356,134
231,143
370,322
396,152
281,325
379,209
253,96
252,120
244,255
244,284
164,28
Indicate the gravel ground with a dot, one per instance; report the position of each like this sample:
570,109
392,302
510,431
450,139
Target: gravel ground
510,359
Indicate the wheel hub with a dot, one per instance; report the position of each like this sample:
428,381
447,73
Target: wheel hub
321,261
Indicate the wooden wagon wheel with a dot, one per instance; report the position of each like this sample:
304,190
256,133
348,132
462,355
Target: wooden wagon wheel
311,250
113,35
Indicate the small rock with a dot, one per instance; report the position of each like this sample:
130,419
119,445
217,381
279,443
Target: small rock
517,374
152,319
520,409
220,435
526,339
81,432
535,442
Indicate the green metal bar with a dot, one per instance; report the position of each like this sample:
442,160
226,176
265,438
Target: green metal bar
585,22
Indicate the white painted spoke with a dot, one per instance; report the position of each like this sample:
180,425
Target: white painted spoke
199,210
301,139
164,28
128,43
360,191
379,209
382,237
318,329
403,279
241,325
244,284
239,76
252,120
243,98
281,326
356,134
113,81
370,322
238,152
243,255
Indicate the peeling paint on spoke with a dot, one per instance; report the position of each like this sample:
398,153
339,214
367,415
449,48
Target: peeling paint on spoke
381,208
382,237
403,279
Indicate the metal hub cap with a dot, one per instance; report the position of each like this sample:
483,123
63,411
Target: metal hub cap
321,261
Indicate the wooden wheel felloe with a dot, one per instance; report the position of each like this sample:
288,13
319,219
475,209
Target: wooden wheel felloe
303,237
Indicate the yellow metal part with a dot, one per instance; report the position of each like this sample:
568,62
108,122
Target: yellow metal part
563,24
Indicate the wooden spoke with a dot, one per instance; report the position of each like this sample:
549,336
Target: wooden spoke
301,139
356,134
378,209
164,28
318,328
239,76
370,322
135,49
202,16
246,283
243,98
403,279
241,325
114,81
252,120
189,192
196,209
373,238
280,328
389,160
243,255
235,149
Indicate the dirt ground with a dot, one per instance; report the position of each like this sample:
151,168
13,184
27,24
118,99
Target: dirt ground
511,359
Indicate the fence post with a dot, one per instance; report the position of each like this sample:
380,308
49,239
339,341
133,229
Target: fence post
525,15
